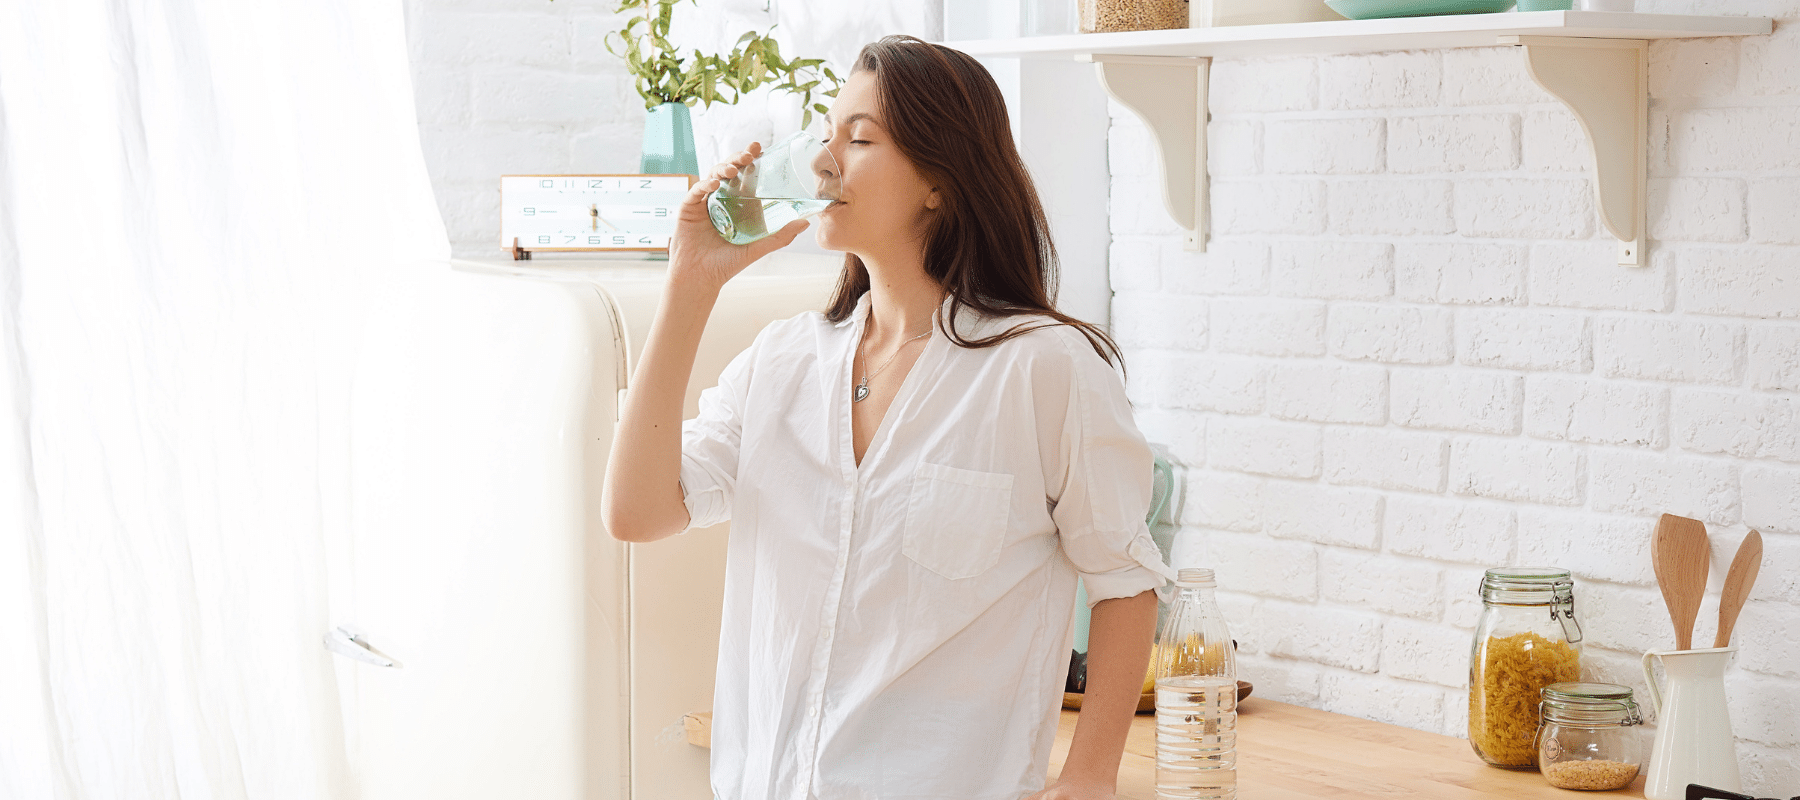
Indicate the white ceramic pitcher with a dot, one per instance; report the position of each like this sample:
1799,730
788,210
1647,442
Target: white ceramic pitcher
1693,729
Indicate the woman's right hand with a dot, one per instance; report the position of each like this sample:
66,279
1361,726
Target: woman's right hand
698,253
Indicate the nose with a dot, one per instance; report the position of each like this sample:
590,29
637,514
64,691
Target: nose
826,174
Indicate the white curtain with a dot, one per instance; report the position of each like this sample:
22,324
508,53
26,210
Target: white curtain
192,194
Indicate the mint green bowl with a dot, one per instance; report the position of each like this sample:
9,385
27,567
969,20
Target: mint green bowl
1382,9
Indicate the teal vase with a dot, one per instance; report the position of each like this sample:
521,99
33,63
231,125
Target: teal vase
669,142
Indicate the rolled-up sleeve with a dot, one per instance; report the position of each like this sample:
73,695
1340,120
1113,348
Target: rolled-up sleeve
710,443
1105,476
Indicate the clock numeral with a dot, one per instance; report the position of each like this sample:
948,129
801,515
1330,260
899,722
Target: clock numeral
662,212
618,240
646,184
571,240
596,240
594,183
530,211
546,184
640,212
644,240
543,240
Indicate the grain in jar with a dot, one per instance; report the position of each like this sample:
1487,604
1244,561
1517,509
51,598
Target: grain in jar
1102,16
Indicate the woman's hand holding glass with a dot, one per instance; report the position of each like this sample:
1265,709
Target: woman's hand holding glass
698,253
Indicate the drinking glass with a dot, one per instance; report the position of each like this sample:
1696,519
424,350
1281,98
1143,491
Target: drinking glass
793,179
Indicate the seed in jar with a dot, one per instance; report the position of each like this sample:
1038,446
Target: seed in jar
1590,775
1099,16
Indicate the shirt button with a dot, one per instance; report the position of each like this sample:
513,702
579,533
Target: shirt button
814,711
826,635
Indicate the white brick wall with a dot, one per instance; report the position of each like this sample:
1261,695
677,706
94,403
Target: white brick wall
1421,361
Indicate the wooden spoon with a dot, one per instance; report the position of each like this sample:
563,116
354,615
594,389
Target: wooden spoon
1737,585
1681,556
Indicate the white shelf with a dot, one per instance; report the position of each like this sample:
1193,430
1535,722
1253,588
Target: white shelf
1594,62
1368,35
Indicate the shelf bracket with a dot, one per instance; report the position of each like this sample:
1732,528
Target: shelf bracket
1603,82
1169,95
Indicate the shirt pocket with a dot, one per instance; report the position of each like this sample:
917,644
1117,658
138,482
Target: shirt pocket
956,519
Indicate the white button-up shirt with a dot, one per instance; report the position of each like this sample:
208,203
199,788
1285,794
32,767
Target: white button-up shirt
900,630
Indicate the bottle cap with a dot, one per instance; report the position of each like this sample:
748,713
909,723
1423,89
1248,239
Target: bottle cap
1194,578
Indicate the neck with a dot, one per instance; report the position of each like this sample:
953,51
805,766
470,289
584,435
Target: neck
902,300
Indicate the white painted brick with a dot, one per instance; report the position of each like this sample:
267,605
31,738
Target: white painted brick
1421,651
1772,501
1210,383
1752,140
1385,458
1595,411
609,148
1593,546
1241,612
1768,638
1255,564
1768,771
442,96
1268,327
1137,208
1391,207
1383,583
1260,447
1453,143
1227,267
459,39
1317,392
1323,146
1241,207
1741,281
1630,482
1223,500
1233,148
1534,472
1694,68
1391,334
514,95
1470,274
1779,579
1697,210
1775,357
1396,702
1462,593
1154,319
1773,205
1380,80
484,153
1134,264
1456,713
1295,682
1446,530
1763,709
1130,148
1605,665
1771,64
1323,635
1182,432
1524,208
1262,84
1626,618
1313,513
1553,141
1480,76
1521,339
1587,275
1742,425
1485,402
1657,348
1333,270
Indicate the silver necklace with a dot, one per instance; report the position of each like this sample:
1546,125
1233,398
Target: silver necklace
862,387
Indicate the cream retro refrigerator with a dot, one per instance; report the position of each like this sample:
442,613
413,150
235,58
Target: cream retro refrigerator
498,643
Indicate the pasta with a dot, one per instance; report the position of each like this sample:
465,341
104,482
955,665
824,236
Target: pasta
1509,673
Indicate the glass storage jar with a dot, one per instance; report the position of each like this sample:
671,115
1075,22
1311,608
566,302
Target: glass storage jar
1527,638
1589,738
1101,16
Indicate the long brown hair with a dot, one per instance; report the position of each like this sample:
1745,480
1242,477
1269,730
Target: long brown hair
989,244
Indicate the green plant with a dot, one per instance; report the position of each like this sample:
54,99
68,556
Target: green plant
663,76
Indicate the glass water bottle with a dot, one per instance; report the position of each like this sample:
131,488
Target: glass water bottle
1196,696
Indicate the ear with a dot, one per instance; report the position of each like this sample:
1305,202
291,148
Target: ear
932,201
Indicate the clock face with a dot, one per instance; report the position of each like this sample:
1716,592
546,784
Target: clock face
590,212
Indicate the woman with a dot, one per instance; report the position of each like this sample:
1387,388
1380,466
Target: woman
914,478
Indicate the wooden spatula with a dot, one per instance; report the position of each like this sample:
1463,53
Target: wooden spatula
1737,585
1681,556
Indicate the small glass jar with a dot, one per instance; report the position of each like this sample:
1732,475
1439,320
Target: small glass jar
1527,638
1102,16
1589,738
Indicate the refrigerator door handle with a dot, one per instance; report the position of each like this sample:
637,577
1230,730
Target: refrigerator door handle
347,641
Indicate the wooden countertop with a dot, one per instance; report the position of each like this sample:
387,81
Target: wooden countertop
1287,752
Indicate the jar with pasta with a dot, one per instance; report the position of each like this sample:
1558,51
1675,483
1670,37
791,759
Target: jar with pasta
1102,16
1527,638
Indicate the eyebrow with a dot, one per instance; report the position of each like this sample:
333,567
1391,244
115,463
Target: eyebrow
853,118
